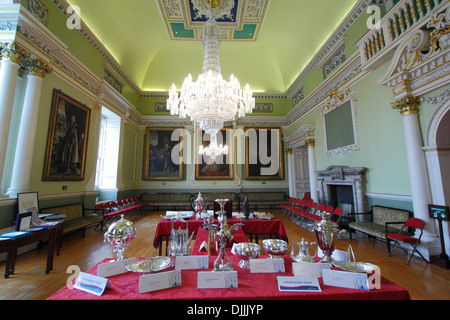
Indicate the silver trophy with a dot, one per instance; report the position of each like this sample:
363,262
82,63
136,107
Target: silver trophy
224,234
303,255
325,230
198,204
119,235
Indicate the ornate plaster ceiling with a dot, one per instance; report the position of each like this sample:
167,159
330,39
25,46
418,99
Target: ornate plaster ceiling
239,20
266,43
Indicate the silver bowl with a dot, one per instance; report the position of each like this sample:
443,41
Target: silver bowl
275,248
246,251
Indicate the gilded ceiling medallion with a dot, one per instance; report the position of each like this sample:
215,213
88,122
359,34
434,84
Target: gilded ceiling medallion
239,20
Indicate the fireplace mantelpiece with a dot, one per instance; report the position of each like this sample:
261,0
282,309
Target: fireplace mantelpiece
340,175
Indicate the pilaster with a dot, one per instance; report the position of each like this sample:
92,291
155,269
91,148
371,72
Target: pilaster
311,144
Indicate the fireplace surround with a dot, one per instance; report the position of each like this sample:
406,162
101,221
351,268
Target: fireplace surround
341,184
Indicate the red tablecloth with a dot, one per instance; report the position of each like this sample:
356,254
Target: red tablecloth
202,235
253,226
251,287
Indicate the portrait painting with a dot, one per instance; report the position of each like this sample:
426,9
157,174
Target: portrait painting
263,154
163,158
67,140
220,168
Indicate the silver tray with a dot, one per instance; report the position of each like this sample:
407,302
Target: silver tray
355,267
150,265
181,215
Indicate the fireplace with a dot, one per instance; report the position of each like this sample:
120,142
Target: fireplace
343,186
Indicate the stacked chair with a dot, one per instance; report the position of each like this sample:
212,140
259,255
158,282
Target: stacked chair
112,210
305,210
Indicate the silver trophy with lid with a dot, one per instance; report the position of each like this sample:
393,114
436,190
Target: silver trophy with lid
119,235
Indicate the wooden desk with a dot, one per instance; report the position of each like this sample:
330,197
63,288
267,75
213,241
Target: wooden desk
11,245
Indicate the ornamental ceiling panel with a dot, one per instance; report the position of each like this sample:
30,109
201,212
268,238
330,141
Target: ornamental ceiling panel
266,43
240,20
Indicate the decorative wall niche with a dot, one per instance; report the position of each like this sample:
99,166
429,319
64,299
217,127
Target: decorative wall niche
340,122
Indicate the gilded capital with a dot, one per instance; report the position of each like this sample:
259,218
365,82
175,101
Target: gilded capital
13,52
289,151
407,105
310,143
37,67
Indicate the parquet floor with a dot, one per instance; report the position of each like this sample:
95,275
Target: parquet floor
423,281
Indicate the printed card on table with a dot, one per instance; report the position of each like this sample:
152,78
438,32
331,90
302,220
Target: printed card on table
159,281
298,284
267,265
91,283
113,268
191,262
344,279
309,269
217,280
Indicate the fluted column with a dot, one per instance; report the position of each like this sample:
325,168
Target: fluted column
418,175
311,144
20,182
12,55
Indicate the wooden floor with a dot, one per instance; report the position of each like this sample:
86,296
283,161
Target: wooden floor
423,281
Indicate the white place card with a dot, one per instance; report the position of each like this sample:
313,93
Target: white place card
191,262
114,268
91,283
309,269
344,279
159,281
267,265
217,280
298,284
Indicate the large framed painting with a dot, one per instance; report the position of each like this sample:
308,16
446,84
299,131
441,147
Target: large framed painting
163,156
263,154
221,168
67,140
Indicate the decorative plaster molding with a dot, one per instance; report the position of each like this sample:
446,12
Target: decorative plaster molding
421,62
300,138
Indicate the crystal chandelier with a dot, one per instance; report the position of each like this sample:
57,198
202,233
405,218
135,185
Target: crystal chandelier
211,101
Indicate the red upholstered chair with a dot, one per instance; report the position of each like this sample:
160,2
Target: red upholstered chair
403,237
336,216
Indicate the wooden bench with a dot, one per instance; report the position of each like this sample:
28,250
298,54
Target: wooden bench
380,221
77,217
168,200
263,199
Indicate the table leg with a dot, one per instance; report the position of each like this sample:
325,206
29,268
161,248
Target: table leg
50,251
8,264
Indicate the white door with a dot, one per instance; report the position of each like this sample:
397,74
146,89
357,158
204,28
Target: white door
301,171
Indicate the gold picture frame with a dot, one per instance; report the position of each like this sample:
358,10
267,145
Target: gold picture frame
222,169
260,164
68,133
161,161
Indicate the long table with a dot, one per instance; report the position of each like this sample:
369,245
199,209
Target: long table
250,286
53,234
253,228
